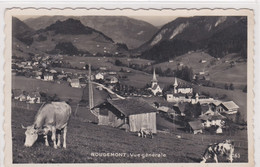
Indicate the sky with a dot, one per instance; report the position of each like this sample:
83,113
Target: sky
154,20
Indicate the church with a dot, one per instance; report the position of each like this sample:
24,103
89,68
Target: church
155,87
181,92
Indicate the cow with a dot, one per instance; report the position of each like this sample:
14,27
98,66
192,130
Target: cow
225,148
52,117
145,132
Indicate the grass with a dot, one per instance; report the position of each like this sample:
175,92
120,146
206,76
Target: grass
64,91
85,138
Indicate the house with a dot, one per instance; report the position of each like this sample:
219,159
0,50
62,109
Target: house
134,113
155,87
180,64
16,93
20,95
34,97
111,79
99,76
203,61
53,71
228,107
195,126
75,83
211,118
48,77
206,78
82,82
102,68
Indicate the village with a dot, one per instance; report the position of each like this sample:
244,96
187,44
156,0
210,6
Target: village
128,107
178,91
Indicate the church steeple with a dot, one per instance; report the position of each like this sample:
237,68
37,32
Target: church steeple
175,85
154,80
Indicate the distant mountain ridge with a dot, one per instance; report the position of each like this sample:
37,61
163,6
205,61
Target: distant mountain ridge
69,37
217,35
121,29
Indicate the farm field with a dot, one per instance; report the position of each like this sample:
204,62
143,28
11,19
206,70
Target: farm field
64,91
85,138
236,74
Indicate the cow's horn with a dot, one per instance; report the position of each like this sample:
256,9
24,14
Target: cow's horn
23,127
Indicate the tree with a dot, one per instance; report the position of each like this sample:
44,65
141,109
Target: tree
197,110
226,86
118,63
231,86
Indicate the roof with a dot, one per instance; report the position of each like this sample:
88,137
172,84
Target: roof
17,92
204,108
214,116
131,106
165,109
230,105
196,125
216,103
74,80
155,86
34,94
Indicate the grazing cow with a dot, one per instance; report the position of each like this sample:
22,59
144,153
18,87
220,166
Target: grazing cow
51,117
145,132
225,148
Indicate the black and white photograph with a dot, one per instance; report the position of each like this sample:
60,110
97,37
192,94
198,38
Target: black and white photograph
118,88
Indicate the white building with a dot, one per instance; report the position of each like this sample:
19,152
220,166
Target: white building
75,83
99,76
155,88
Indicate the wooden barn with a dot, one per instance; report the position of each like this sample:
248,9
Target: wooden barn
134,113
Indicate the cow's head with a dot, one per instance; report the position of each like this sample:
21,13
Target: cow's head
31,135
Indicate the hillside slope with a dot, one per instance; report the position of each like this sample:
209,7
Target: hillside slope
71,37
121,29
218,36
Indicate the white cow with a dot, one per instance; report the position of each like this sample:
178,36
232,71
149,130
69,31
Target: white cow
225,148
51,117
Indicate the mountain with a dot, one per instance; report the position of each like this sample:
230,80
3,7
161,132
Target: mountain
121,29
217,35
21,31
73,38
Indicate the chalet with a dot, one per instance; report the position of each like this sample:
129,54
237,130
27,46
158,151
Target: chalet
53,71
111,79
203,61
62,77
134,113
19,95
211,118
102,68
99,76
228,107
180,64
195,126
75,83
82,82
48,77
155,87
34,97
206,78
